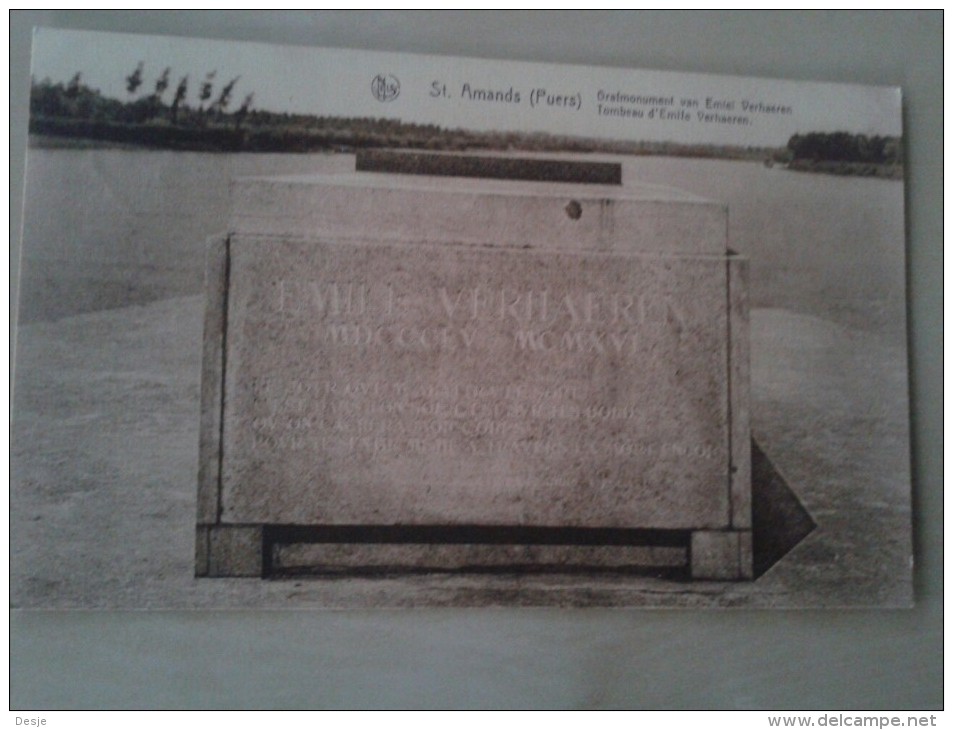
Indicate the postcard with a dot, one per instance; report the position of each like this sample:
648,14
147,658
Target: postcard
310,328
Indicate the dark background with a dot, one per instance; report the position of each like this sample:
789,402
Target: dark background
547,658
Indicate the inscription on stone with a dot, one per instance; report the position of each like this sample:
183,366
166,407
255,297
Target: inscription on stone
414,389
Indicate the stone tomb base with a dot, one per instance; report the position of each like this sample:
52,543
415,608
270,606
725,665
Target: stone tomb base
438,374
779,522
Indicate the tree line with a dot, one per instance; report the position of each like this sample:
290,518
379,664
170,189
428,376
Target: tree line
846,147
76,100
159,114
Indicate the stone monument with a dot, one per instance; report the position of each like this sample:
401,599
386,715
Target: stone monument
430,372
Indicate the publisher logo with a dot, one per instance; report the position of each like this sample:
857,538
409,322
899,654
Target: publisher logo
385,87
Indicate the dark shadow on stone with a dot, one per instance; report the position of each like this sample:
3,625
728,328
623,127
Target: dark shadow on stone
499,168
779,520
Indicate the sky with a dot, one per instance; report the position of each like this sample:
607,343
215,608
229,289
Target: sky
601,102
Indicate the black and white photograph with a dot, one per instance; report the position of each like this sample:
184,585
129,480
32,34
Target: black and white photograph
537,360
405,331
